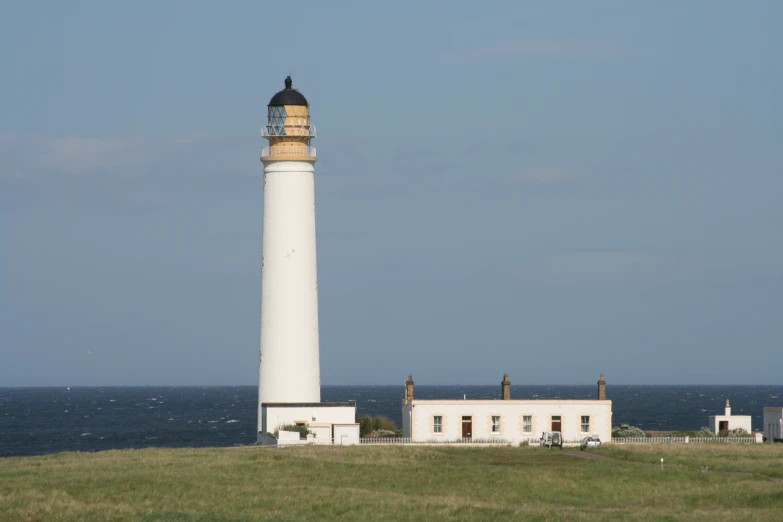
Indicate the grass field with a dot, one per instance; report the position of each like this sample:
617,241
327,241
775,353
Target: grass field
395,483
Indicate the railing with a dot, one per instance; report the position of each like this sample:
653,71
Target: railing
407,440
386,440
682,440
288,130
289,151
380,441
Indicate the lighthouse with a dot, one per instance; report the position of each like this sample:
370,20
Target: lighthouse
289,388
289,362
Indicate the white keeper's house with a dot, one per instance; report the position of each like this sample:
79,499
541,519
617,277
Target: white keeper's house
507,419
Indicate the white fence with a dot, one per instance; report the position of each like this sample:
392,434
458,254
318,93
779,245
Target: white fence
381,441
407,440
682,440
386,440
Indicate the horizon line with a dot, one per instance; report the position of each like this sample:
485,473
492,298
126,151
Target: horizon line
402,385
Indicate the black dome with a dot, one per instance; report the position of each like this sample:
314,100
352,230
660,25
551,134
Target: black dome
288,96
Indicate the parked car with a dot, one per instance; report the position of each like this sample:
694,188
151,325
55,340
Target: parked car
551,438
589,442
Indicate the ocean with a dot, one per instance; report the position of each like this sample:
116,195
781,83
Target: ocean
36,421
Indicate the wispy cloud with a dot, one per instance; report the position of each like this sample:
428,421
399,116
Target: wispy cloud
29,157
129,175
89,155
83,155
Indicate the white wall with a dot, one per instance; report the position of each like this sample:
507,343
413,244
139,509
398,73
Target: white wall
406,417
773,423
274,416
735,422
290,438
511,414
323,433
346,434
289,362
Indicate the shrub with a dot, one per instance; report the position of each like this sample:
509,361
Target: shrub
369,425
705,432
301,428
365,425
626,430
739,432
384,423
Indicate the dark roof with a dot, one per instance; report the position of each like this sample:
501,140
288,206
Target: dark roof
288,96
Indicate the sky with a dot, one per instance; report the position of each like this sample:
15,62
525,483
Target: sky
551,190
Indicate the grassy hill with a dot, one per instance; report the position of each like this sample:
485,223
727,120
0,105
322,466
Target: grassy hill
395,483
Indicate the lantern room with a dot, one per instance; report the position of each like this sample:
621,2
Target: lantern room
288,127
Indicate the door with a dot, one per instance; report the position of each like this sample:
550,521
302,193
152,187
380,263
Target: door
556,424
467,427
723,426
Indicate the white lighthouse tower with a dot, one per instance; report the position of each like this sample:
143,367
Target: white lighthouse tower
289,368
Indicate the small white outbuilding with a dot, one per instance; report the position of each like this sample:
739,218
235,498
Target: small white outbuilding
773,422
327,422
728,422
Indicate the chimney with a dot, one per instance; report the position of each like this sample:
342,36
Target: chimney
728,408
506,384
409,388
601,388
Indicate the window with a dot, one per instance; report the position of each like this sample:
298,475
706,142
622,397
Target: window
437,424
277,119
585,424
527,424
496,424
